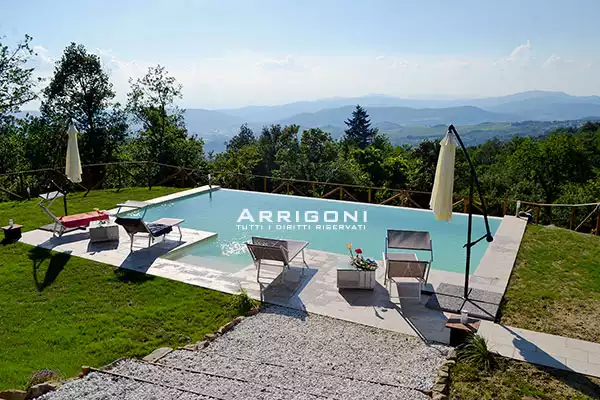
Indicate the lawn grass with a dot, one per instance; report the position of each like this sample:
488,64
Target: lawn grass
62,312
555,286
31,216
516,380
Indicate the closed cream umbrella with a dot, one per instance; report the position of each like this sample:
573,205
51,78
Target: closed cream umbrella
443,185
73,168
441,196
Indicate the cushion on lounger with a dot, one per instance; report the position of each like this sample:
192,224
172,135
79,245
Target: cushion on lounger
83,219
159,229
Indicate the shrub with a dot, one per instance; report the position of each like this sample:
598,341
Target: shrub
42,376
243,303
475,352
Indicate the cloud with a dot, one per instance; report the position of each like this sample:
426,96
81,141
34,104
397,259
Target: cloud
43,55
555,61
246,77
551,61
522,54
288,63
392,62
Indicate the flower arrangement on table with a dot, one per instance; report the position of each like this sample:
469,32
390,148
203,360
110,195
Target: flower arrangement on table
359,261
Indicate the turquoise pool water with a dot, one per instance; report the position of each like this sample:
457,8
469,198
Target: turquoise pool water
220,211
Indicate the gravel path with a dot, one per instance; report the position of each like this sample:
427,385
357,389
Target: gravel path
96,386
278,354
311,342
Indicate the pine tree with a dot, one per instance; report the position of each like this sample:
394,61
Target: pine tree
359,132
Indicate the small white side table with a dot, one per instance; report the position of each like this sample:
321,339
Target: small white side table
103,231
354,278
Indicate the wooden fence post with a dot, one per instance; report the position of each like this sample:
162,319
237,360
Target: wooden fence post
287,188
466,204
598,224
120,178
22,184
264,184
572,222
314,190
537,214
149,172
341,193
369,195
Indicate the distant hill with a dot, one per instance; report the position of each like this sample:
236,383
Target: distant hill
399,116
279,112
403,119
201,122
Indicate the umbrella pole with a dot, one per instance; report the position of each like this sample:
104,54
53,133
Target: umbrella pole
64,192
474,181
468,245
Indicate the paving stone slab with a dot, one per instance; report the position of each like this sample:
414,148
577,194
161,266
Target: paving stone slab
444,302
474,294
482,310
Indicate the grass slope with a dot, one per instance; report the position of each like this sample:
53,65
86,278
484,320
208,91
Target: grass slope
516,380
31,216
62,312
555,286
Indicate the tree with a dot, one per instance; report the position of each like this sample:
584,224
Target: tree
17,84
424,161
151,101
163,137
234,166
359,132
244,138
319,148
271,141
81,91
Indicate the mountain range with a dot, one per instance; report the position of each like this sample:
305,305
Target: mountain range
402,119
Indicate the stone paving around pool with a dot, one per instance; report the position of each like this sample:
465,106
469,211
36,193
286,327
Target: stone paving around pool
314,289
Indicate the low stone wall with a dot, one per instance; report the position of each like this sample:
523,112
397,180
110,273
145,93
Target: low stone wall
442,379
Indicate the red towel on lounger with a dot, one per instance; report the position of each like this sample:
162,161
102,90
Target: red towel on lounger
83,219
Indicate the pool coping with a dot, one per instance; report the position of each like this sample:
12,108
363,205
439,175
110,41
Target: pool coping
184,193
176,196
485,279
357,202
496,265
492,273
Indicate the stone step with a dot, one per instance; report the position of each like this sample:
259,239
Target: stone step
102,386
324,377
243,380
209,385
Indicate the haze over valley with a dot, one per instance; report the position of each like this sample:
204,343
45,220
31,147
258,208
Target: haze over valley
406,121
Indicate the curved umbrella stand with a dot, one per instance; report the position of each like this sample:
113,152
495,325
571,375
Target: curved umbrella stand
488,235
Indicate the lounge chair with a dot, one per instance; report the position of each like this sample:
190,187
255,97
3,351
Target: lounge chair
283,251
402,267
61,224
154,229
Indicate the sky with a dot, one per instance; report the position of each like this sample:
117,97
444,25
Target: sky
230,54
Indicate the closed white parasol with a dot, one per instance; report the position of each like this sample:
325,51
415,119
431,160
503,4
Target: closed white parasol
443,185
73,168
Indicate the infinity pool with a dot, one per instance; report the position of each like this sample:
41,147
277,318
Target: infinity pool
327,224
